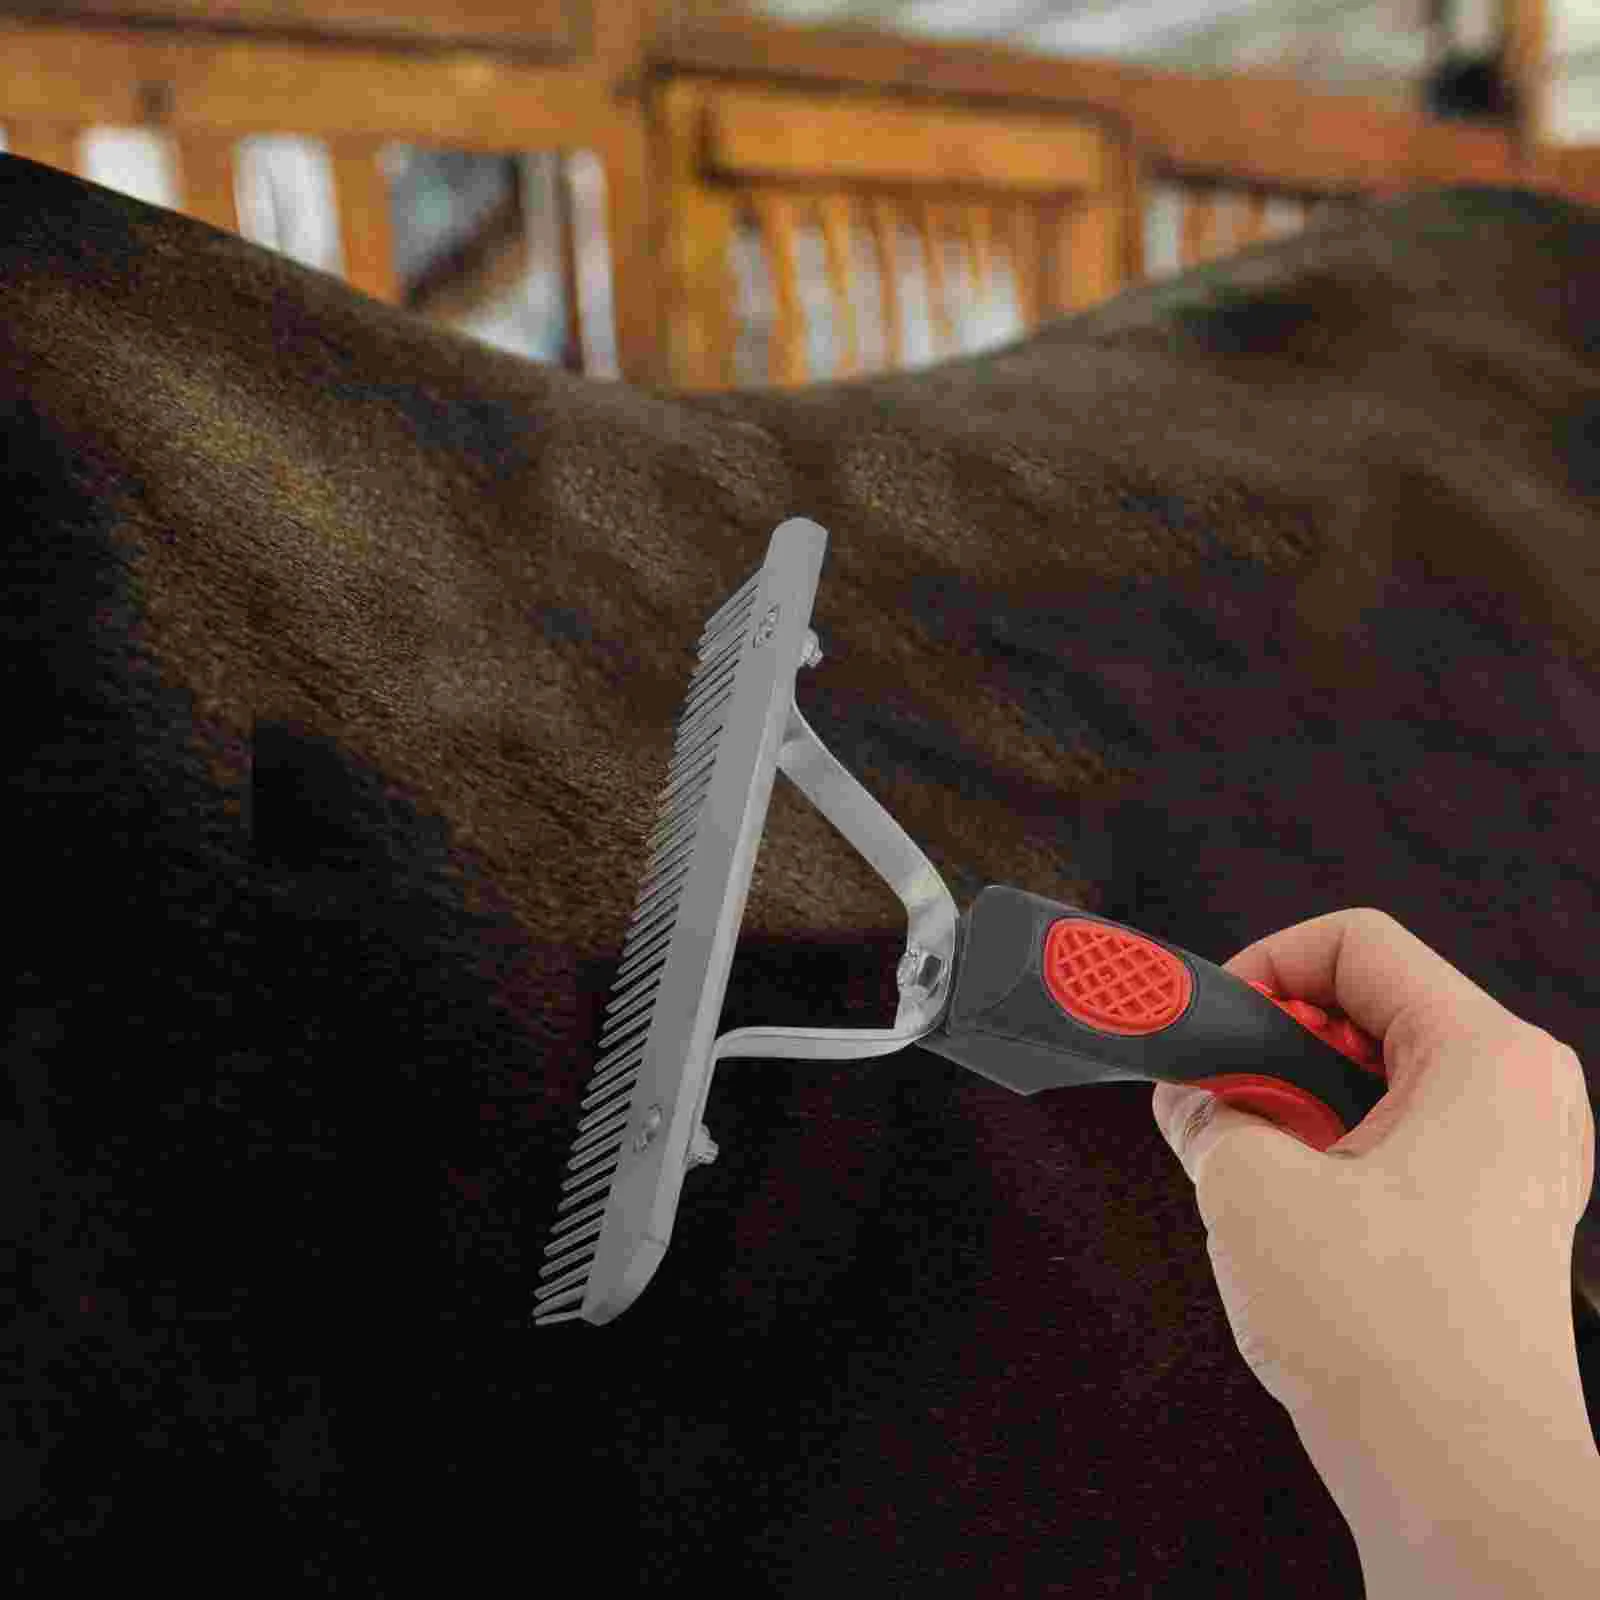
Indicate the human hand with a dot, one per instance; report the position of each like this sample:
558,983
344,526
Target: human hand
1429,1250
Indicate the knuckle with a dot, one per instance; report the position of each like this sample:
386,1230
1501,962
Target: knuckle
1561,1054
1196,1119
1556,1059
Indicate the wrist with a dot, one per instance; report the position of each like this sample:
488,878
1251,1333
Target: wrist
1487,1501
1521,1527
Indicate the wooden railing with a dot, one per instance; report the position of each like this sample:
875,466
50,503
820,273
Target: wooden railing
205,88
835,285
1220,164
879,183
1036,179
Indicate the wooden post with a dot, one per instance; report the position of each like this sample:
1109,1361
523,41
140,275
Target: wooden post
633,156
624,151
1524,49
205,179
366,231
696,323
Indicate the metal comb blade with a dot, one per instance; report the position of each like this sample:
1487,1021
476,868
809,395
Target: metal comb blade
739,726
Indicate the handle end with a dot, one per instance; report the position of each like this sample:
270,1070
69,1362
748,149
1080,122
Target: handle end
1303,1115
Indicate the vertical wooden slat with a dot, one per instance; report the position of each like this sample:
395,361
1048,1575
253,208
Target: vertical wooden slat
696,224
1199,227
886,243
53,143
572,308
1128,183
1055,267
1253,224
836,241
622,146
929,220
786,356
1026,267
205,179
361,197
1090,251
975,227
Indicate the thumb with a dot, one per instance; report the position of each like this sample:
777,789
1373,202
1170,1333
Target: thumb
1195,1123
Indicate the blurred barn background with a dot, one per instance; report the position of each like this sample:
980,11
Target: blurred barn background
511,245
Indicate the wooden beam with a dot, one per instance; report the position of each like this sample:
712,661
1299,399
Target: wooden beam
1572,170
1267,130
54,144
543,27
761,133
236,85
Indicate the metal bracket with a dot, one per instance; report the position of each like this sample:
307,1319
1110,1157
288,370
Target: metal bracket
925,970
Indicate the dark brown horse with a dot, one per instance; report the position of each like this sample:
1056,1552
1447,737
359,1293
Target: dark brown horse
342,660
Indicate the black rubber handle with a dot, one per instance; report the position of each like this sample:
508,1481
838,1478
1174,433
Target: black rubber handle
1046,996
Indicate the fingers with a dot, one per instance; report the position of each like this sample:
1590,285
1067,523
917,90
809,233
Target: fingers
1472,1087
1381,975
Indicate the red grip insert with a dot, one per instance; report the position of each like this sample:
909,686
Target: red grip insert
1113,979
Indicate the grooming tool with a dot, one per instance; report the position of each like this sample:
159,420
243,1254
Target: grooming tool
1026,991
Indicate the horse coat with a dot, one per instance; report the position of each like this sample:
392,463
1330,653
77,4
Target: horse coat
343,655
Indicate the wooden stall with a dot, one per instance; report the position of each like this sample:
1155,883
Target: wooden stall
717,131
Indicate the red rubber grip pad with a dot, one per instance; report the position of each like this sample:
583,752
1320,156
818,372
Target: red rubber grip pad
1113,979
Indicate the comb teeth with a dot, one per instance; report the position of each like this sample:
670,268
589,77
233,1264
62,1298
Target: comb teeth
655,1048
